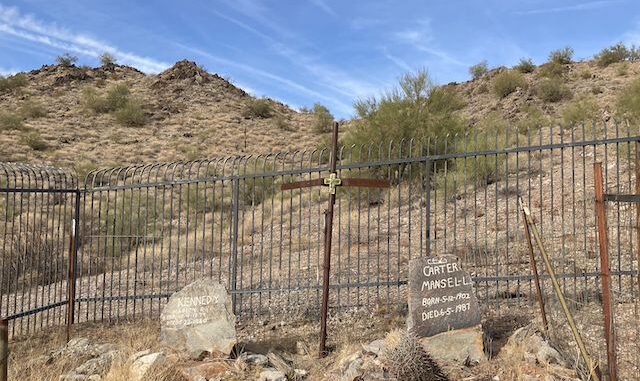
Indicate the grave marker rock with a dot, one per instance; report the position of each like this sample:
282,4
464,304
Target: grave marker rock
443,309
198,319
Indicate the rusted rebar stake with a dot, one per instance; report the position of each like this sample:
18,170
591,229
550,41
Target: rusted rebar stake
534,269
605,276
4,350
637,170
594,370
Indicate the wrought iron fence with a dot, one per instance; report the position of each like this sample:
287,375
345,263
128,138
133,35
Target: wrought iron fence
146,231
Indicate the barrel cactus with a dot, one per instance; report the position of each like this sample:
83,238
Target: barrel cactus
406,360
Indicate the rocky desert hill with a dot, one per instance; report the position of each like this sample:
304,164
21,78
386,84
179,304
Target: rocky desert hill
188,113
53,116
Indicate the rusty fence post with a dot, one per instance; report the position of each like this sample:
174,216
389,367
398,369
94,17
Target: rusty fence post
605,277
637,170
4,350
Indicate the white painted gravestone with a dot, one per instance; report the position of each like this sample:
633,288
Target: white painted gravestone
443,309
198,319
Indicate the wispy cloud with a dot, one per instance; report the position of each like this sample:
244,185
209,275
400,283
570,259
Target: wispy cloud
324,6
324,75
292,85
27,27
420,37
584,6
402,64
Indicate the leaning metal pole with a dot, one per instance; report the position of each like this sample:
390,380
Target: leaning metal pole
590,363
534,269
328,229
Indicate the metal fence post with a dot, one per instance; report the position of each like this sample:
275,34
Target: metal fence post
605,278
427,190
73,265
4,349
234,243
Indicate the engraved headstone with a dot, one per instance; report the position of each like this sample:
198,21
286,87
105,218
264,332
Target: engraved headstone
198,319
443,309
441,296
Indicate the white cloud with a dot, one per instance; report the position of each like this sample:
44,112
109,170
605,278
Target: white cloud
26,27
324,6
5,72
589,5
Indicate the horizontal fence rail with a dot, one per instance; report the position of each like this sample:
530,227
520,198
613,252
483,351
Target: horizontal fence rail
146,231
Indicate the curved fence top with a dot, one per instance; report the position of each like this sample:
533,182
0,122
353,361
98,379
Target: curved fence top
471,143
29,176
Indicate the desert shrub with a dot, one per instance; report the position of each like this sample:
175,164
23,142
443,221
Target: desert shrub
532,120
258,108
131,113
479,69
107,59
283,124
91,100
66,60
622,69
616,53
415,109
12,82
506,82
31,109
582,109
35,141
628,102
552,90
552,70
561,56
585,74
117,97
322,118
11,121
525,66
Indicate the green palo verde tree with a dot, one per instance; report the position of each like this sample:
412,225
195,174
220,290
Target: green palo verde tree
416,109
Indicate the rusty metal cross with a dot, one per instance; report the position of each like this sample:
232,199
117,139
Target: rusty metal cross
333,182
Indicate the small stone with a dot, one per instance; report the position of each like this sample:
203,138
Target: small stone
299,374
271,374
257,359
374,347
144,361
464,346
354,370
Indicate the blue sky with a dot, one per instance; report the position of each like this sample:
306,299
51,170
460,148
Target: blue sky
302,52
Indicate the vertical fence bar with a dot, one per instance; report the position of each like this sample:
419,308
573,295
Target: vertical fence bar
71,280
603,241
427,191
234,242
4,349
